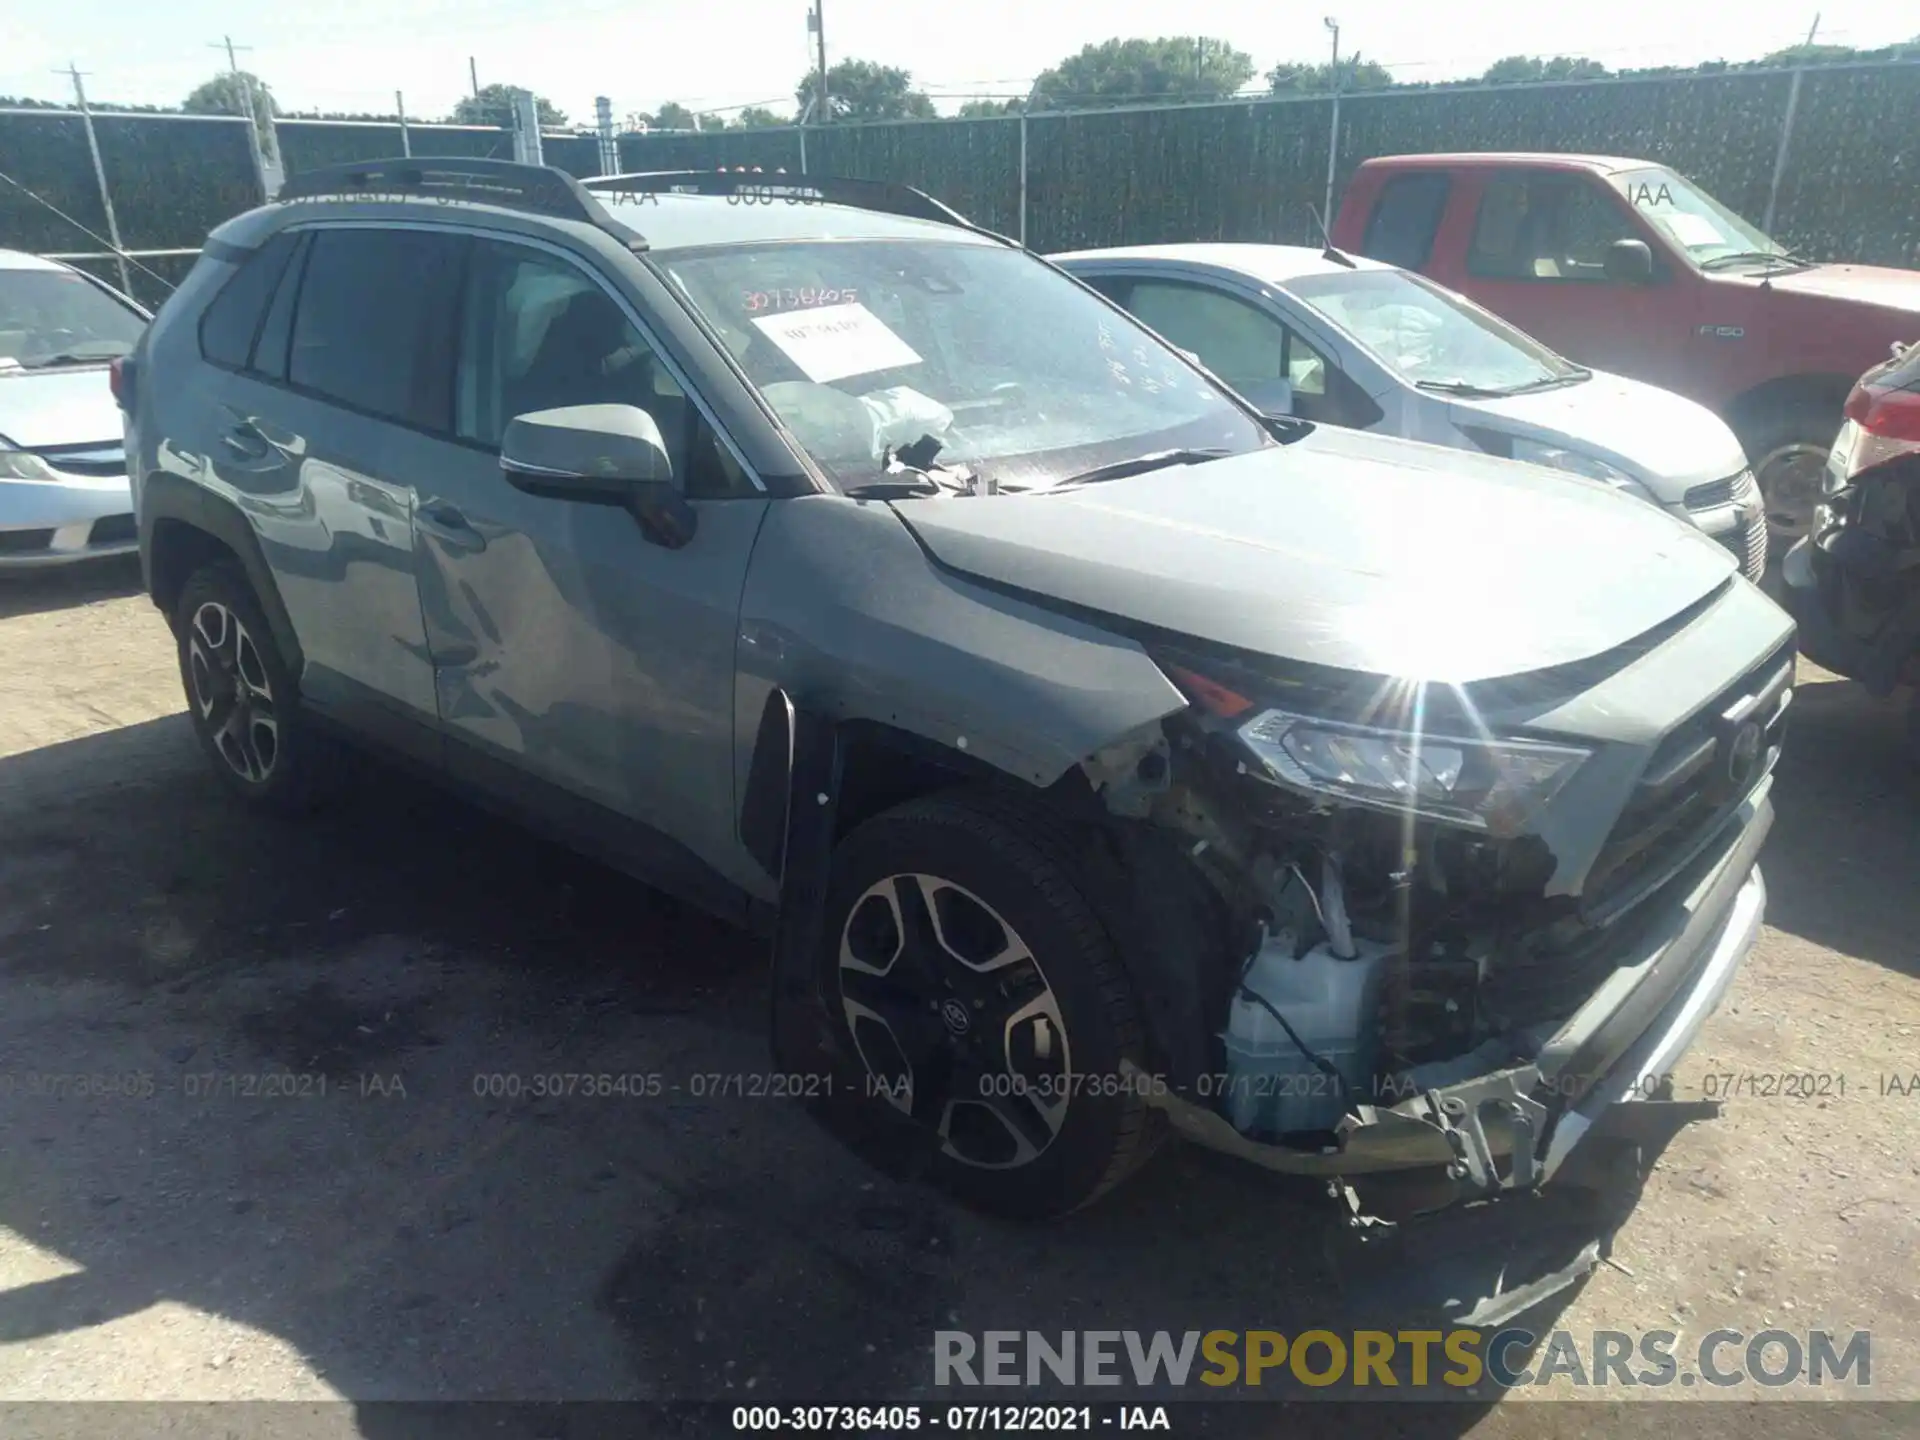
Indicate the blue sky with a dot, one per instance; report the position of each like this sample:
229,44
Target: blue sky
353,54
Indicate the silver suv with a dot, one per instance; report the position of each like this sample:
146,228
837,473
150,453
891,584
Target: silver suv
1102,758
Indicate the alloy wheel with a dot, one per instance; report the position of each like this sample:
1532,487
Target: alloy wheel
1790,479
231,692
955,1020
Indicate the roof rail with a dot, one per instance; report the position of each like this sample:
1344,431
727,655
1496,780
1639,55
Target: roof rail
539,189
882,196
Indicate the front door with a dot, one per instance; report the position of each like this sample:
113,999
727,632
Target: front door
578,666
1536,256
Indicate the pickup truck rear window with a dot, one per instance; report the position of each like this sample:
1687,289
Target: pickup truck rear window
1405,219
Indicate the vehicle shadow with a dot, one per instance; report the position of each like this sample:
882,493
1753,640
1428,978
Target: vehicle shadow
1846,837
329,1036
32,592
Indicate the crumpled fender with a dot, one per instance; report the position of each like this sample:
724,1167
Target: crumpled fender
845,612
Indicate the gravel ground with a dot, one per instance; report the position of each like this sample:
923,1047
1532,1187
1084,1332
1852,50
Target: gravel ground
392,1233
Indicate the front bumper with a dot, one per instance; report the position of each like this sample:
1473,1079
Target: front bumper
1513,1130
80,517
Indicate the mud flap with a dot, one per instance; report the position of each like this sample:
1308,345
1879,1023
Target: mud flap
797,836
789,827
1484,1264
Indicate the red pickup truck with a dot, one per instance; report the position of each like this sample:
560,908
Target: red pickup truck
1628,267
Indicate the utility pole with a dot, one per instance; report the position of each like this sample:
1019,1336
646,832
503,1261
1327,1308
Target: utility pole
245,82
473,76
817,23
1333,126
100,177
400,109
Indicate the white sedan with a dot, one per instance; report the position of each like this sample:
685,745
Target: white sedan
63,474
1345,341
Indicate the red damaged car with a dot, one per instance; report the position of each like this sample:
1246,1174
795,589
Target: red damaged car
1629,267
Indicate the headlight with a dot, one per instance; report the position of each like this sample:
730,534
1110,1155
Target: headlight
1561,458
1490,785
24,465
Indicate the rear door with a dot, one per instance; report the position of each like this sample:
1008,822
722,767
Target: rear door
328,411
584,673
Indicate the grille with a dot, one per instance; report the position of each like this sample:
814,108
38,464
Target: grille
112,530
1690,788
21,542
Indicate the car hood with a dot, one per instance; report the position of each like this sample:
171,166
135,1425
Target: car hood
1666,441
43,408
1346,550
1869,284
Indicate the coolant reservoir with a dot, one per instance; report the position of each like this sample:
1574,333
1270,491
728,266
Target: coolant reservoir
1333,1007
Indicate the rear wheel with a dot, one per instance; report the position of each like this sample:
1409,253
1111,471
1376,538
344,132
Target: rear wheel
983,997
240,694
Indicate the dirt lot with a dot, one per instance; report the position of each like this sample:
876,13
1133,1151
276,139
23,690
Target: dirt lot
402,1236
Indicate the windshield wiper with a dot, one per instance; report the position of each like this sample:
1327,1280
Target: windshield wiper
1784,257
1491,392
1140,465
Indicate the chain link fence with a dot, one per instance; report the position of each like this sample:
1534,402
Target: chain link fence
1828,156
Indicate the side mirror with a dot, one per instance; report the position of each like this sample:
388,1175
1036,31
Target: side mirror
1270,397
1630,262
600,455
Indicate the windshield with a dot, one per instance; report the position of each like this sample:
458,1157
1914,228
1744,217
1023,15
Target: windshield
1429,336
1020,375
1697,225
55,317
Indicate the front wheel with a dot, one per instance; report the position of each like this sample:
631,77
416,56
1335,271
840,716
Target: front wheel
984,999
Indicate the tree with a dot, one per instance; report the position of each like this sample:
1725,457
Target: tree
494,106
225,94
987,109
1515,69
1355,74
1122,72
759,117
673,116
863,90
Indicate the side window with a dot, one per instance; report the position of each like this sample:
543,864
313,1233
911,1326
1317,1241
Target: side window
1307,368
1239,343
538,333
1545,227
373,322
228,327
276,331
1405,219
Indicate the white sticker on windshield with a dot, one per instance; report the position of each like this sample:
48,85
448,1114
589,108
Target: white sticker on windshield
831,342
1692,230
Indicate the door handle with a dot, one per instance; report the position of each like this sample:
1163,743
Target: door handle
246,441
447,525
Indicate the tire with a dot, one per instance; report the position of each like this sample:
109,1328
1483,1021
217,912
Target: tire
1038,1041
241,697
1788,452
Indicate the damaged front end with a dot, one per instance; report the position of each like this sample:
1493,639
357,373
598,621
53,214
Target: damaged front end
1853,584
1452,946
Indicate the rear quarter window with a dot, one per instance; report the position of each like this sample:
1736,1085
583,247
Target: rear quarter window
228,327
1405,219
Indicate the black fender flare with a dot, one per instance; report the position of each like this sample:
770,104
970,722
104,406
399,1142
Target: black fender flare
168,499
1170,931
